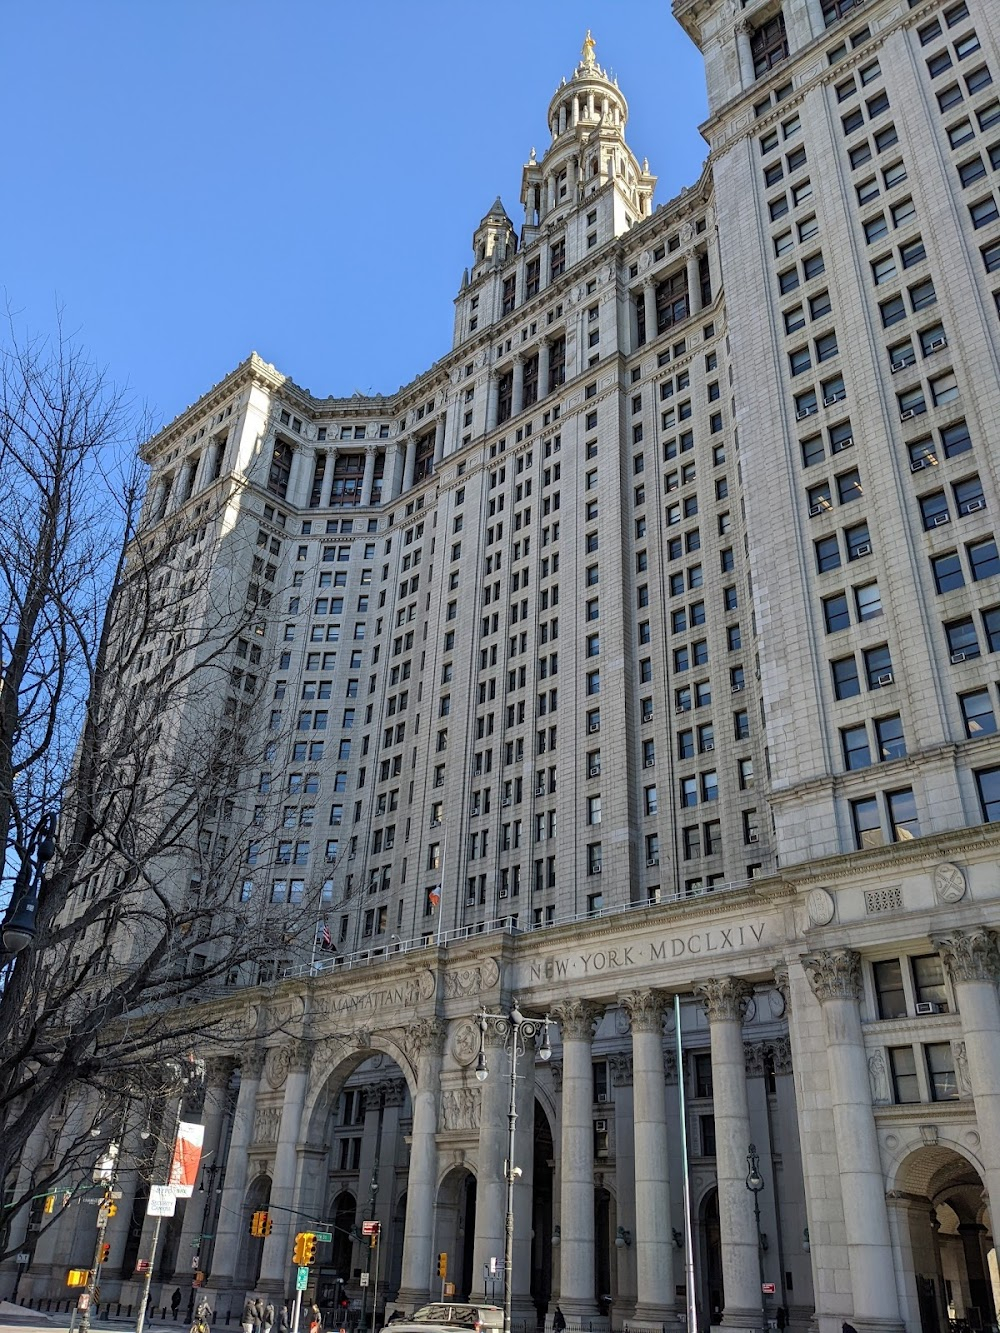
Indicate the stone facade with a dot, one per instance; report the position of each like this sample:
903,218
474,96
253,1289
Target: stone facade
652,640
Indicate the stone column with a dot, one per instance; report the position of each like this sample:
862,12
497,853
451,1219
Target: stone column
835,976
725,1001
369,474
410,461
973,962
30,1158
439,430
425,1039
651,1239
694,284
576,1020
543,367
491,1188
649,302
231,1215
218,1071
295,493
276,1257
492,399
742,31
714,262
517,392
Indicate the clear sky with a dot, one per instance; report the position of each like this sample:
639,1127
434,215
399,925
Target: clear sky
193,179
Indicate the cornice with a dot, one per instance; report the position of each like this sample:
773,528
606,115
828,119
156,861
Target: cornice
857,865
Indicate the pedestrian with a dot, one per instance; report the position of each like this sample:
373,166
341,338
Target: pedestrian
268,1320
246,1319
315,1318
202,1317
175,1302
258,1315
558,1321
283,1324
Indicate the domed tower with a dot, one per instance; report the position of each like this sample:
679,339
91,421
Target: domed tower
587,118
494,240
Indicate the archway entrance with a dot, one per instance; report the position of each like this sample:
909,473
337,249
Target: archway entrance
252,1247
945,1235
712,1296
455,1233
541,1212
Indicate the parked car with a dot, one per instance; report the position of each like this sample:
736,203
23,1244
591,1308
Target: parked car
448,1317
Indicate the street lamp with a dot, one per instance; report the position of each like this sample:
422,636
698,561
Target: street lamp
755,1183
19,924
516,1032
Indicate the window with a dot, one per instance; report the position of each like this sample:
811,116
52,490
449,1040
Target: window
889,993
988,786
941,1071
984,212
977,713
947,570
983,559
867,826
962,641
854,742
902,1063
878,667
835,613
889,735
867,601
768,47
903,822
827,554
846,683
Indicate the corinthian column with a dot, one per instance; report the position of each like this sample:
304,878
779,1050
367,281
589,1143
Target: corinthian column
517,391
409,463
425,1039
276,1258
835,976
973,962
652,1239
725,1001
198,1210
368,476
231,1215
576,1020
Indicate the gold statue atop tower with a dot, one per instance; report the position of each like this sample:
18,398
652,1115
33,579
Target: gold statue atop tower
588,51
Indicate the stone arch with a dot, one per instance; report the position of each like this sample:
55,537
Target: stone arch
333,1064
257,1197
455,1224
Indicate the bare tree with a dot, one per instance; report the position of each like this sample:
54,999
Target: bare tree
126,708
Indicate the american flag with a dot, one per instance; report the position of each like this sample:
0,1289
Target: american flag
325,938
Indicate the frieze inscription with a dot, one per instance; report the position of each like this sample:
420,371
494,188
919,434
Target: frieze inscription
720,939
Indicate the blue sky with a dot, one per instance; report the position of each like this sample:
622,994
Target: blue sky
193,179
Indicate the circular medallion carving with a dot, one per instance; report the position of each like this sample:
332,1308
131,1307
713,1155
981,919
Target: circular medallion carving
776,1003
949,882
465,1043
820,907
276,1065
891,1141
972,1139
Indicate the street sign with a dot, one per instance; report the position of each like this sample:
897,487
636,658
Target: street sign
24,1257
370,1228
162,1201
301,1278
494,1264
142,1265
363,1279
323,1235
767,1288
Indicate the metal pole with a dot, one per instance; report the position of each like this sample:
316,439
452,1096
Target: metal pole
297,1311
760,1262
689,1276
378,1252
508,1236
95,1272
147,1277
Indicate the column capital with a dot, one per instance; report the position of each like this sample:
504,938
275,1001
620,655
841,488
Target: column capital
252,1063
742,27
371,447
427,1036
576,1018
218,1070
834,974
970,955
645,1009
724,998
299,1057
621,1070
755,1055
783,986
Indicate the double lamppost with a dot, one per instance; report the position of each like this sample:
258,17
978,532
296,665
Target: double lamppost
755,1183
517,1034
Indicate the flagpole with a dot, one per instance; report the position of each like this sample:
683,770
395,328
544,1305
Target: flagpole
444,861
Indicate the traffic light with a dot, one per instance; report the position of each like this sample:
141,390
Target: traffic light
304,1253
50,1204
267,1224
112,1209
442,1264
258,1223
105,1252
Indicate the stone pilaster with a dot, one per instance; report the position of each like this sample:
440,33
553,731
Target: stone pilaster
277,1247
425,1039
231,1214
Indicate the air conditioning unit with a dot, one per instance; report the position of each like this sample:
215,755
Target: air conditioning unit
939,519
973,506
709,745
884,679
682,708
506,801
897,366
595,726
846,443
594,771
602,1097
815,510
919,464
957,657
937,343
753,836
928,1007
648,763
436,823
806,412
908,414
388,844
835,398
738,687
596,869
653,861
600,1126
502,893
864,549
540,791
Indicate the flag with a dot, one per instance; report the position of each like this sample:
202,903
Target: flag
434,895
326,939
186,1159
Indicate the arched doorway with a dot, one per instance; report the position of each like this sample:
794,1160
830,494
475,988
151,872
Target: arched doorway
944,1232
455,1235
542,1220
252,1247
602,1248
712,1296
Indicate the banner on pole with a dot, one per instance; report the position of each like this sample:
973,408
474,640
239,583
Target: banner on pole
186,1159
162,1201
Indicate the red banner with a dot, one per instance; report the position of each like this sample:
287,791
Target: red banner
186,1159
